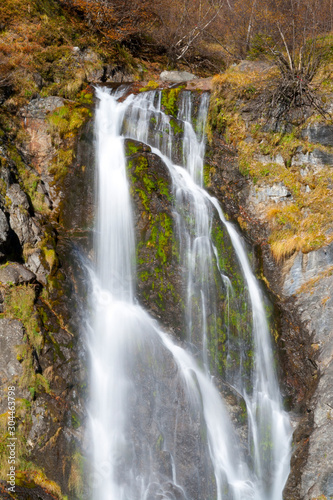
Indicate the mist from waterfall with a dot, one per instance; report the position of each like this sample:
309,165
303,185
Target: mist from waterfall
150,396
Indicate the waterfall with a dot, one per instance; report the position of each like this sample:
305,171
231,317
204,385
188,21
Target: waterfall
159,427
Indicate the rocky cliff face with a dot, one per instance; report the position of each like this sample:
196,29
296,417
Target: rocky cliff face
261,178
42,356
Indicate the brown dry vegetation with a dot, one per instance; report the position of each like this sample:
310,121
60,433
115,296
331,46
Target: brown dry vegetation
304,221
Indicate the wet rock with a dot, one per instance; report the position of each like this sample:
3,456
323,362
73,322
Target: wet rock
319,134
159,292
16,274
168,419
176,76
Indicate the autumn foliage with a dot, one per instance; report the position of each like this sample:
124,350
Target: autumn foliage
116,19
186,28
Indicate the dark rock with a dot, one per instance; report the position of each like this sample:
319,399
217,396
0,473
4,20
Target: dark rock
160,292
16,273
38,80
318,133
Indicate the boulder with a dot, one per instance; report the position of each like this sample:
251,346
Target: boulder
254,66
22,223
176,76
16,274
35,265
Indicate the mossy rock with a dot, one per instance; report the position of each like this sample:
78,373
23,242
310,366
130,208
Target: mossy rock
159,280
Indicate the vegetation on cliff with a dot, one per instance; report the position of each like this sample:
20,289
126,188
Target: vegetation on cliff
274,152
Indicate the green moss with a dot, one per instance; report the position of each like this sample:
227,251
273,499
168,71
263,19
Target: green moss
19,304
151,85
169,101
132,148
75,421
158,247
230,331
206,175
176,128
65,123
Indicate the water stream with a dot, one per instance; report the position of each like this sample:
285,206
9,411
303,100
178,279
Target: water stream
160,428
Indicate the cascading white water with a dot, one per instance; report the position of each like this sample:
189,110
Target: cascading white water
138,420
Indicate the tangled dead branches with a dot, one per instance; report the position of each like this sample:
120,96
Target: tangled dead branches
293,89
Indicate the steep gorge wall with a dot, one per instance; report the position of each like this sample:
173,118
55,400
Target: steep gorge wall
277,187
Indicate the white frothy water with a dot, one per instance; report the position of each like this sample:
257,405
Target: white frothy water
131,358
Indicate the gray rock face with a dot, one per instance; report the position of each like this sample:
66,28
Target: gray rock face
16,273
176,76
277,192
21,222
11,335
35,265
18,197
266,159
305,267
317,305
317,158
4,230
319,134
38,108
